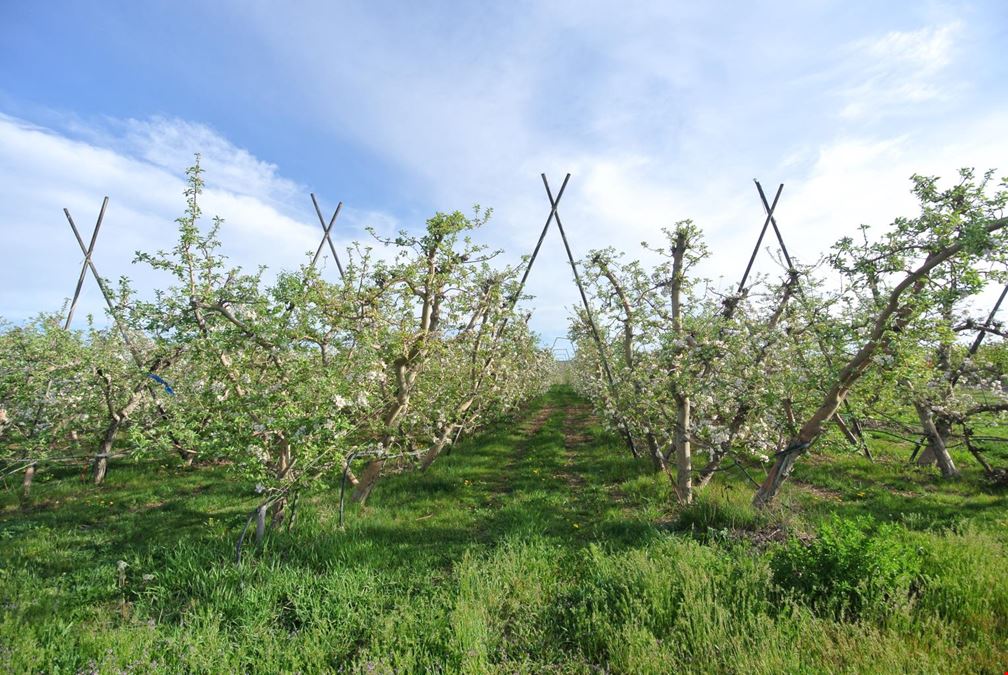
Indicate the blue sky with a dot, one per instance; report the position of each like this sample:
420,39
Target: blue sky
661,111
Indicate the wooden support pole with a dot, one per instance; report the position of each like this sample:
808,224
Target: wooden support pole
588,313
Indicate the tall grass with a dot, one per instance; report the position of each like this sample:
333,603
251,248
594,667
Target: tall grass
514,554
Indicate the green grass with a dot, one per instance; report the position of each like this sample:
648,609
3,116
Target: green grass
518,552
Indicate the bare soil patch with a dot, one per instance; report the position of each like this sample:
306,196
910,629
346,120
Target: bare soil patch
821,492
577,418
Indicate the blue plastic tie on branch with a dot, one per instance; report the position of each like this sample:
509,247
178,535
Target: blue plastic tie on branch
167,387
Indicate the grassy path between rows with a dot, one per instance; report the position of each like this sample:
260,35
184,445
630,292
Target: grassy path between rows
538,546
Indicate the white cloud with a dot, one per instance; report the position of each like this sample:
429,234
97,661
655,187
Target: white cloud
898,70
268,219
660,113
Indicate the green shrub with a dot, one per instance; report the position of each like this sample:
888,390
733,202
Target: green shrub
852,570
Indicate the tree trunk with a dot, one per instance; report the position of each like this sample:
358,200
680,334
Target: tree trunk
368,479
447,433
927,457
684,459
436,448
116,420
100,468
718,455
683,451
656,454
707,473
778,474
260,524
29,476
285,461
936,443
968,440
278,512
709,469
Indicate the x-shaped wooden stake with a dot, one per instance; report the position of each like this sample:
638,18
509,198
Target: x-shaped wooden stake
773,221
766,223
87,257
549,219
326,229
89,264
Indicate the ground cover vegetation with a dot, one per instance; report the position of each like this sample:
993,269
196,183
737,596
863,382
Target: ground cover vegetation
386,473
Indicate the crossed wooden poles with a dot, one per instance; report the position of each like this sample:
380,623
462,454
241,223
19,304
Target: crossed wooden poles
326,231
88,264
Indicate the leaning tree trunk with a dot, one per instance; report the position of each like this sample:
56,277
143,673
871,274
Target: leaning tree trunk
373,469
880,338
407,369
439,445
278,510
118,418
937,430
367,480
742,411
943,427
657,458
718,454
936,450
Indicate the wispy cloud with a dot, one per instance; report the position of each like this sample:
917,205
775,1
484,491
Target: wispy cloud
900,69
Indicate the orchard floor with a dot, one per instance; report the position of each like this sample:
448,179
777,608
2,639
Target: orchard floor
539,546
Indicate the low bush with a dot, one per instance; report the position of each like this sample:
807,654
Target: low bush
854,569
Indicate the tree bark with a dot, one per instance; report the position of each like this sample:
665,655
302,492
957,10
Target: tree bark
683,450
26,484
684,459
367,480
100,468
936,443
